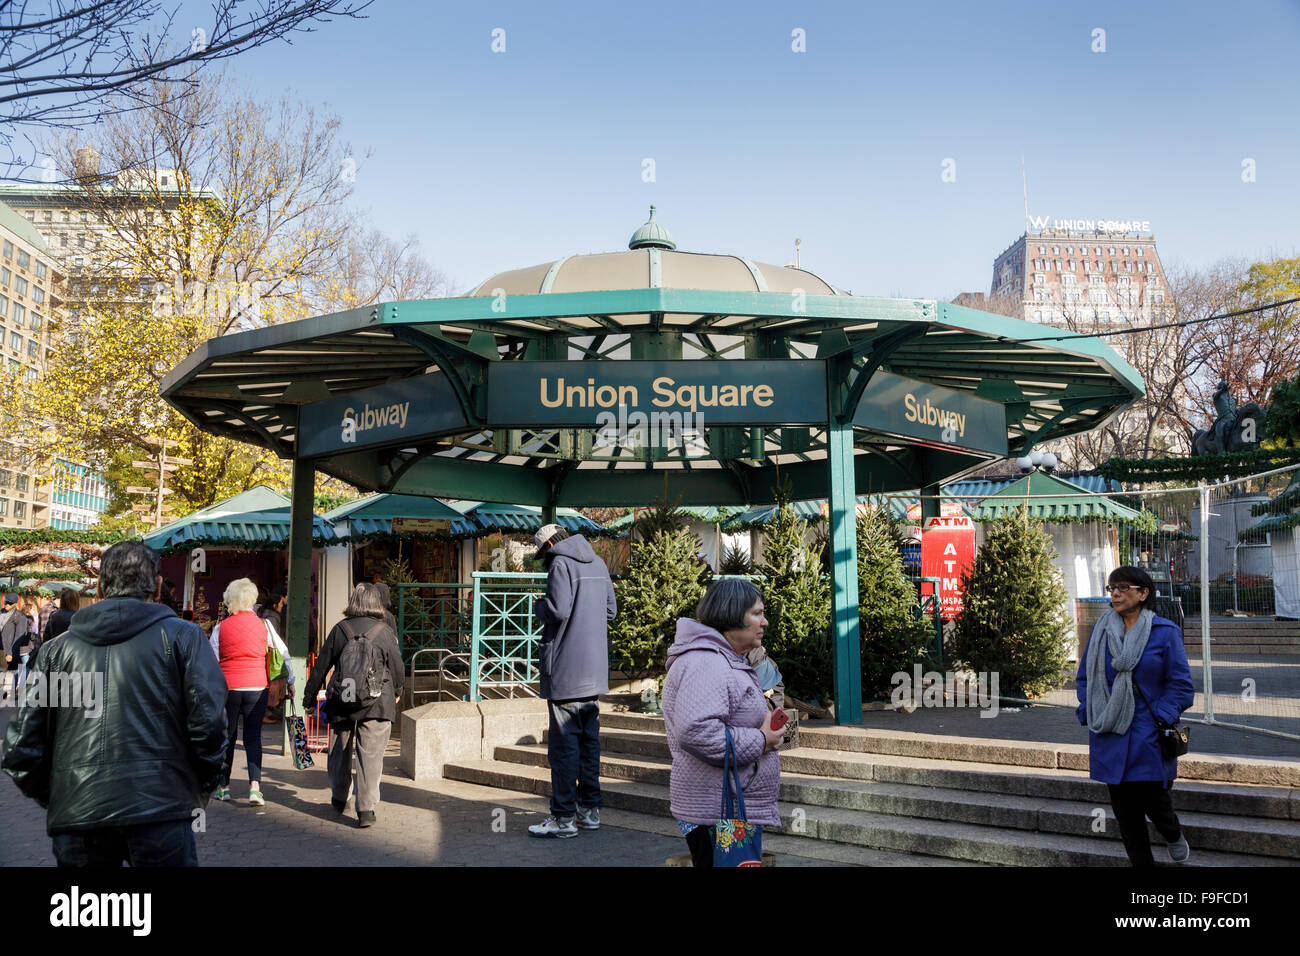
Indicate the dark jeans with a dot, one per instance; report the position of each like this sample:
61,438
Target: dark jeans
252,704
1133,803
700,841
147,844
573,749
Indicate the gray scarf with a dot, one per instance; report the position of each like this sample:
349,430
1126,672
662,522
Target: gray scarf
1110,711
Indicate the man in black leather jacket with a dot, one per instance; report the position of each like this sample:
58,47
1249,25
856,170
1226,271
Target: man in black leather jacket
121,730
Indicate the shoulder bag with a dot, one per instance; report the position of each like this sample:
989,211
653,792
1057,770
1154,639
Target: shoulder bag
1174,738
735,842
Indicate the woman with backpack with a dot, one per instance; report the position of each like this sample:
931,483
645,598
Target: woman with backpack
361,700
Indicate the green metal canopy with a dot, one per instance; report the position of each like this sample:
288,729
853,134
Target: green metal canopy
374,514
624,377
492,516
1034,492
256,519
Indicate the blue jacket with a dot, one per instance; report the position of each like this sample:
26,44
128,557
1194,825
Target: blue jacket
1165,679
576,610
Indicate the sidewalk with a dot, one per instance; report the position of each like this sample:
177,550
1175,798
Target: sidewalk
444,823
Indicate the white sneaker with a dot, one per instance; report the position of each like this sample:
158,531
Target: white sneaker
1179,851
255,798
561,827
588,818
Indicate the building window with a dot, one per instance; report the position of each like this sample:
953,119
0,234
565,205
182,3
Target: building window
1111,251
9,249
22,483
1068,279
5,276
40,270
1124,280
1056,250
23,259
1038,316
20,285
1124,251
1038,297
34,348
1141,251
4,307
4,506
1096,250
63,241
36,321
20,510
1042,250
15,341
38,294
20,315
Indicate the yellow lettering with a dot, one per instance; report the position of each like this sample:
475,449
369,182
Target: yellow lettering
763,395
559,394
663,387
606,396
910,404
730,397
744,393
575,391
627,395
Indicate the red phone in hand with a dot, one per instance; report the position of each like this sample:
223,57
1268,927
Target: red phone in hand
779,718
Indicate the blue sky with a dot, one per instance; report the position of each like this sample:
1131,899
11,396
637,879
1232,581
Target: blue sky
500,160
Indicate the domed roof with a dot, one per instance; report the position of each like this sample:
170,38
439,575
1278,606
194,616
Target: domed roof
653,263
652,235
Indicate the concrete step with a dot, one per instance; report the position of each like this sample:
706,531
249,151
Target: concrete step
955,840
1049,813
1252,800
648,739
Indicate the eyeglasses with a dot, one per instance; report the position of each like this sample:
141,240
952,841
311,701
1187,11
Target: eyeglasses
1122,588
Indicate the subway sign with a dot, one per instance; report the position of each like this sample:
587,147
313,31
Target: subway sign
591,394
406,410
942,416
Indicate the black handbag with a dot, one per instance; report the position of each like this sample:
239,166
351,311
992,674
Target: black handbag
1173,738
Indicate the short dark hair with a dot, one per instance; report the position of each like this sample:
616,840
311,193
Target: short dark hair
724,604
69,600
1136,577
364,601
129,569
385,595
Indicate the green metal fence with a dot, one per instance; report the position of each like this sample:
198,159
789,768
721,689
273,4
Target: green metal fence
437,615
503,646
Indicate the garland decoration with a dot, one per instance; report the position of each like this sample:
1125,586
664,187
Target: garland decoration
1207,467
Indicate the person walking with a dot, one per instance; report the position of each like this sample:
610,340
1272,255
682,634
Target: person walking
362,698
711,689
573,660
240,643
61,620
45,606
1134,672
16,638
271,610
123,766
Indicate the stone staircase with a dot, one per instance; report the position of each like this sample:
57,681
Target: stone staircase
1243,635
987,802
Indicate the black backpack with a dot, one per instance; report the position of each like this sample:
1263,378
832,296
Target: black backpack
360,671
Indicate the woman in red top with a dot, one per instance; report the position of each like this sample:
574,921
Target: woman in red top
240,643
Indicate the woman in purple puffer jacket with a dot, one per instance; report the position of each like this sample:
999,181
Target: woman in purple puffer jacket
711,686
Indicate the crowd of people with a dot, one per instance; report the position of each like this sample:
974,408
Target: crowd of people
125,787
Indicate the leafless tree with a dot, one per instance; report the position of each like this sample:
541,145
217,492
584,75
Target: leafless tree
62,60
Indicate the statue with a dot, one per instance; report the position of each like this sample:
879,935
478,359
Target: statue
1234,429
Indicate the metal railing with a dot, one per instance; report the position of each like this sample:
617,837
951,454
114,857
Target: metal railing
505,634
433,616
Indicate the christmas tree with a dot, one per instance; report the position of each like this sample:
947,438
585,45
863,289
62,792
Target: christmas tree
893,637
797,596
664,579
1015,621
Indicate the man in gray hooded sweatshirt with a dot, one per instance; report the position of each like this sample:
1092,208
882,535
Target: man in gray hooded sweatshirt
573,659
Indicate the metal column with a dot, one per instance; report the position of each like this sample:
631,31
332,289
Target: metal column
845,633
297,628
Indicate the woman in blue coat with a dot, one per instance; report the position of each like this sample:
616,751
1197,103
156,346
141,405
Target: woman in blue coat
1135,664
